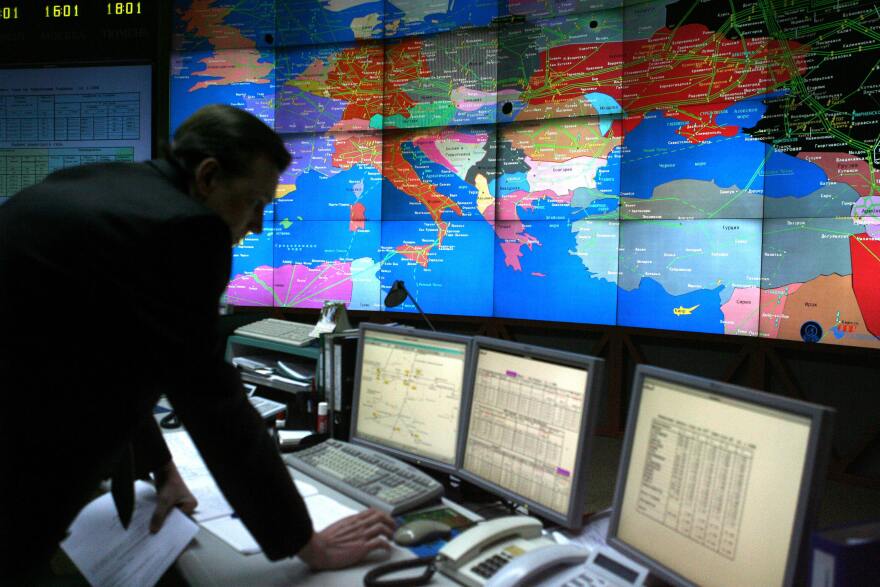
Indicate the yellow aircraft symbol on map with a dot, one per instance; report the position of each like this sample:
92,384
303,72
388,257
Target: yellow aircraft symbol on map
682,311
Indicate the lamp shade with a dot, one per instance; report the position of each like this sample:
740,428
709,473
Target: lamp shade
396,295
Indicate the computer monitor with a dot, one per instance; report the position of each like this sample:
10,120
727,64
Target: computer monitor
718,484
408,393
530,425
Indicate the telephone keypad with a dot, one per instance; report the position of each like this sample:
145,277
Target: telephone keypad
490,566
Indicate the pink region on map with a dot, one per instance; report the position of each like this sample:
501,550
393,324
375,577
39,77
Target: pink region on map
509,229
471,100
536,274
428,145
298,286
773,308
251,289
232,67
741,312
357,217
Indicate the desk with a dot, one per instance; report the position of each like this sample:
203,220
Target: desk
210,561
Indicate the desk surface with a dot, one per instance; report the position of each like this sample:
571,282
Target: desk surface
210,561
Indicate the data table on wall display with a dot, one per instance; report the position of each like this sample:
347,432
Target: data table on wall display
20,168
55,118
71,117
694,482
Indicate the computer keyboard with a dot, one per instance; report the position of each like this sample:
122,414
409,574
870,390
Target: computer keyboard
283,331
367,476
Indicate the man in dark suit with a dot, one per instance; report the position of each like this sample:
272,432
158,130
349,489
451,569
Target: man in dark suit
110,276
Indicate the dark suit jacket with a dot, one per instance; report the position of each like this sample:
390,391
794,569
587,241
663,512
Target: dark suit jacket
110,276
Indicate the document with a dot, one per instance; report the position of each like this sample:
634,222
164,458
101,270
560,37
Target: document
195,474
108,554
322,509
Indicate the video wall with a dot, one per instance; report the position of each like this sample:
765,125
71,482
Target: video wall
691,166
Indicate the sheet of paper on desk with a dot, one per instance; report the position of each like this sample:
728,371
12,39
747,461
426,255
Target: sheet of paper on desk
195,474
107,554
322,509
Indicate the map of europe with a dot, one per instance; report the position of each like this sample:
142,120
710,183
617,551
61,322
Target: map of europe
680,165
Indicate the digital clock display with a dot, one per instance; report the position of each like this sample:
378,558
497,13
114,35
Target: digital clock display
62,10
9,13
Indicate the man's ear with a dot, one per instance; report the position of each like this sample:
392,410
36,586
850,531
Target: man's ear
205,177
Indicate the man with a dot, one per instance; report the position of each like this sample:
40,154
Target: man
110,276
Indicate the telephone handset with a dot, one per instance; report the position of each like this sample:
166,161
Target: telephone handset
474,556
539,562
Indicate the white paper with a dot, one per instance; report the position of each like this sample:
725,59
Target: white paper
322,509
325,511
305,489
108,554
230,530
195,474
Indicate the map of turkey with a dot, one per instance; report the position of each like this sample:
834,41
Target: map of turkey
682,165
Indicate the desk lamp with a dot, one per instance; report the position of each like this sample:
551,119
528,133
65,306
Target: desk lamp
398,294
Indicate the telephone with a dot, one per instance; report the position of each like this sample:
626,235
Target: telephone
511,552
476,554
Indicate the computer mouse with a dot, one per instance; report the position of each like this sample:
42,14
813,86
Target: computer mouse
420,531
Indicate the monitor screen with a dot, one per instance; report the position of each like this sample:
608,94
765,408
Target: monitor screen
52,118
716,482
408,393
529,426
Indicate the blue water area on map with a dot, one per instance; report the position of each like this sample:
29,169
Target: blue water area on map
564,290
602,207
397,205
256,98
458,278
650,306
401,16
322,197
251,19
313,242
608,176
254,251
604,104
790,176
655,154
310,22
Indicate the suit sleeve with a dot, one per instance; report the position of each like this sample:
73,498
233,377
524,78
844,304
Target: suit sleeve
193,260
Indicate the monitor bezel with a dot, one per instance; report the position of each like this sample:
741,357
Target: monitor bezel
809,494
402,454
594,366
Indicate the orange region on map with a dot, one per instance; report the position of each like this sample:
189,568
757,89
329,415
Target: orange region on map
404,62
401,174
671,70
206,21
357,149
822,300
416,253
355,77
845,168
233,67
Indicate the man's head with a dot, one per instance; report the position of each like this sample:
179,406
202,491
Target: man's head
232,161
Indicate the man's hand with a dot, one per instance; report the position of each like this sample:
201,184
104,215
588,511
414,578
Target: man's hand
171,491
348,541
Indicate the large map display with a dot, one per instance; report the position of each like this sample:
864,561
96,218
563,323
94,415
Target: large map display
682,165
